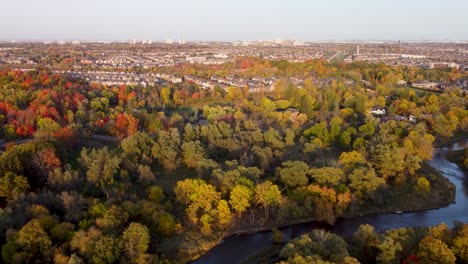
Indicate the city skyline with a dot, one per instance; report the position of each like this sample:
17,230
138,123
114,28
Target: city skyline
209,20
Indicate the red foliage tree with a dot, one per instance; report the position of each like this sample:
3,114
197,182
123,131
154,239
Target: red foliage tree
67,136
126,125
46,160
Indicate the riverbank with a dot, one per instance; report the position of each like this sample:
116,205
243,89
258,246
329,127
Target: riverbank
405,199
458,137
458,157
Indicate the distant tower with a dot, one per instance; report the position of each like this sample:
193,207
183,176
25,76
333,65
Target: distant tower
357,50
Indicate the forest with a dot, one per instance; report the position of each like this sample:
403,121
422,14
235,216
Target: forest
160,174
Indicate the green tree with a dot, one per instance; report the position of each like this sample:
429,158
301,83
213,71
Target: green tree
193,154
388,251
388,160
166,224
135,241
328,176
363,244
351,160
167,149
460,248
11,186
293,173
335,128
308,105
33,240
445,127
137,148
319,131
364,181
155,193
106,250
46,126
101,166
318,244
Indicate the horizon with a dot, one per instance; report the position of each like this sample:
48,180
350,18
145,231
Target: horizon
253,41
208,20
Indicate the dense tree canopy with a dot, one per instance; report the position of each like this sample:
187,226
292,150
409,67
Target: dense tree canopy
91,173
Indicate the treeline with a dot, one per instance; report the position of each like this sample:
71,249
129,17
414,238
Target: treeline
438,244
374,73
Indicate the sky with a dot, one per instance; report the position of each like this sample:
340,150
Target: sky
223,20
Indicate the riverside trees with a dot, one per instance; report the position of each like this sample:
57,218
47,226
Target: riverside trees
403,245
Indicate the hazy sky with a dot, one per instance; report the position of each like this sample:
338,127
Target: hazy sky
234,19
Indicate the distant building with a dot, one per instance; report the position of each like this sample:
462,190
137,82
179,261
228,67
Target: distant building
411,56
378,111
401,82
444,65
427,85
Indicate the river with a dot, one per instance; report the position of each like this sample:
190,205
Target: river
234,250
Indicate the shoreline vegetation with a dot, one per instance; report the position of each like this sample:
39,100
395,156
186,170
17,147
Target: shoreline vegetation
435,244
442,189
459,157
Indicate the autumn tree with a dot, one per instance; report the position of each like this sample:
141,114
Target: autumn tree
201,200
135,241
224,214
432,250
388,251
267,194
126,125
240,198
